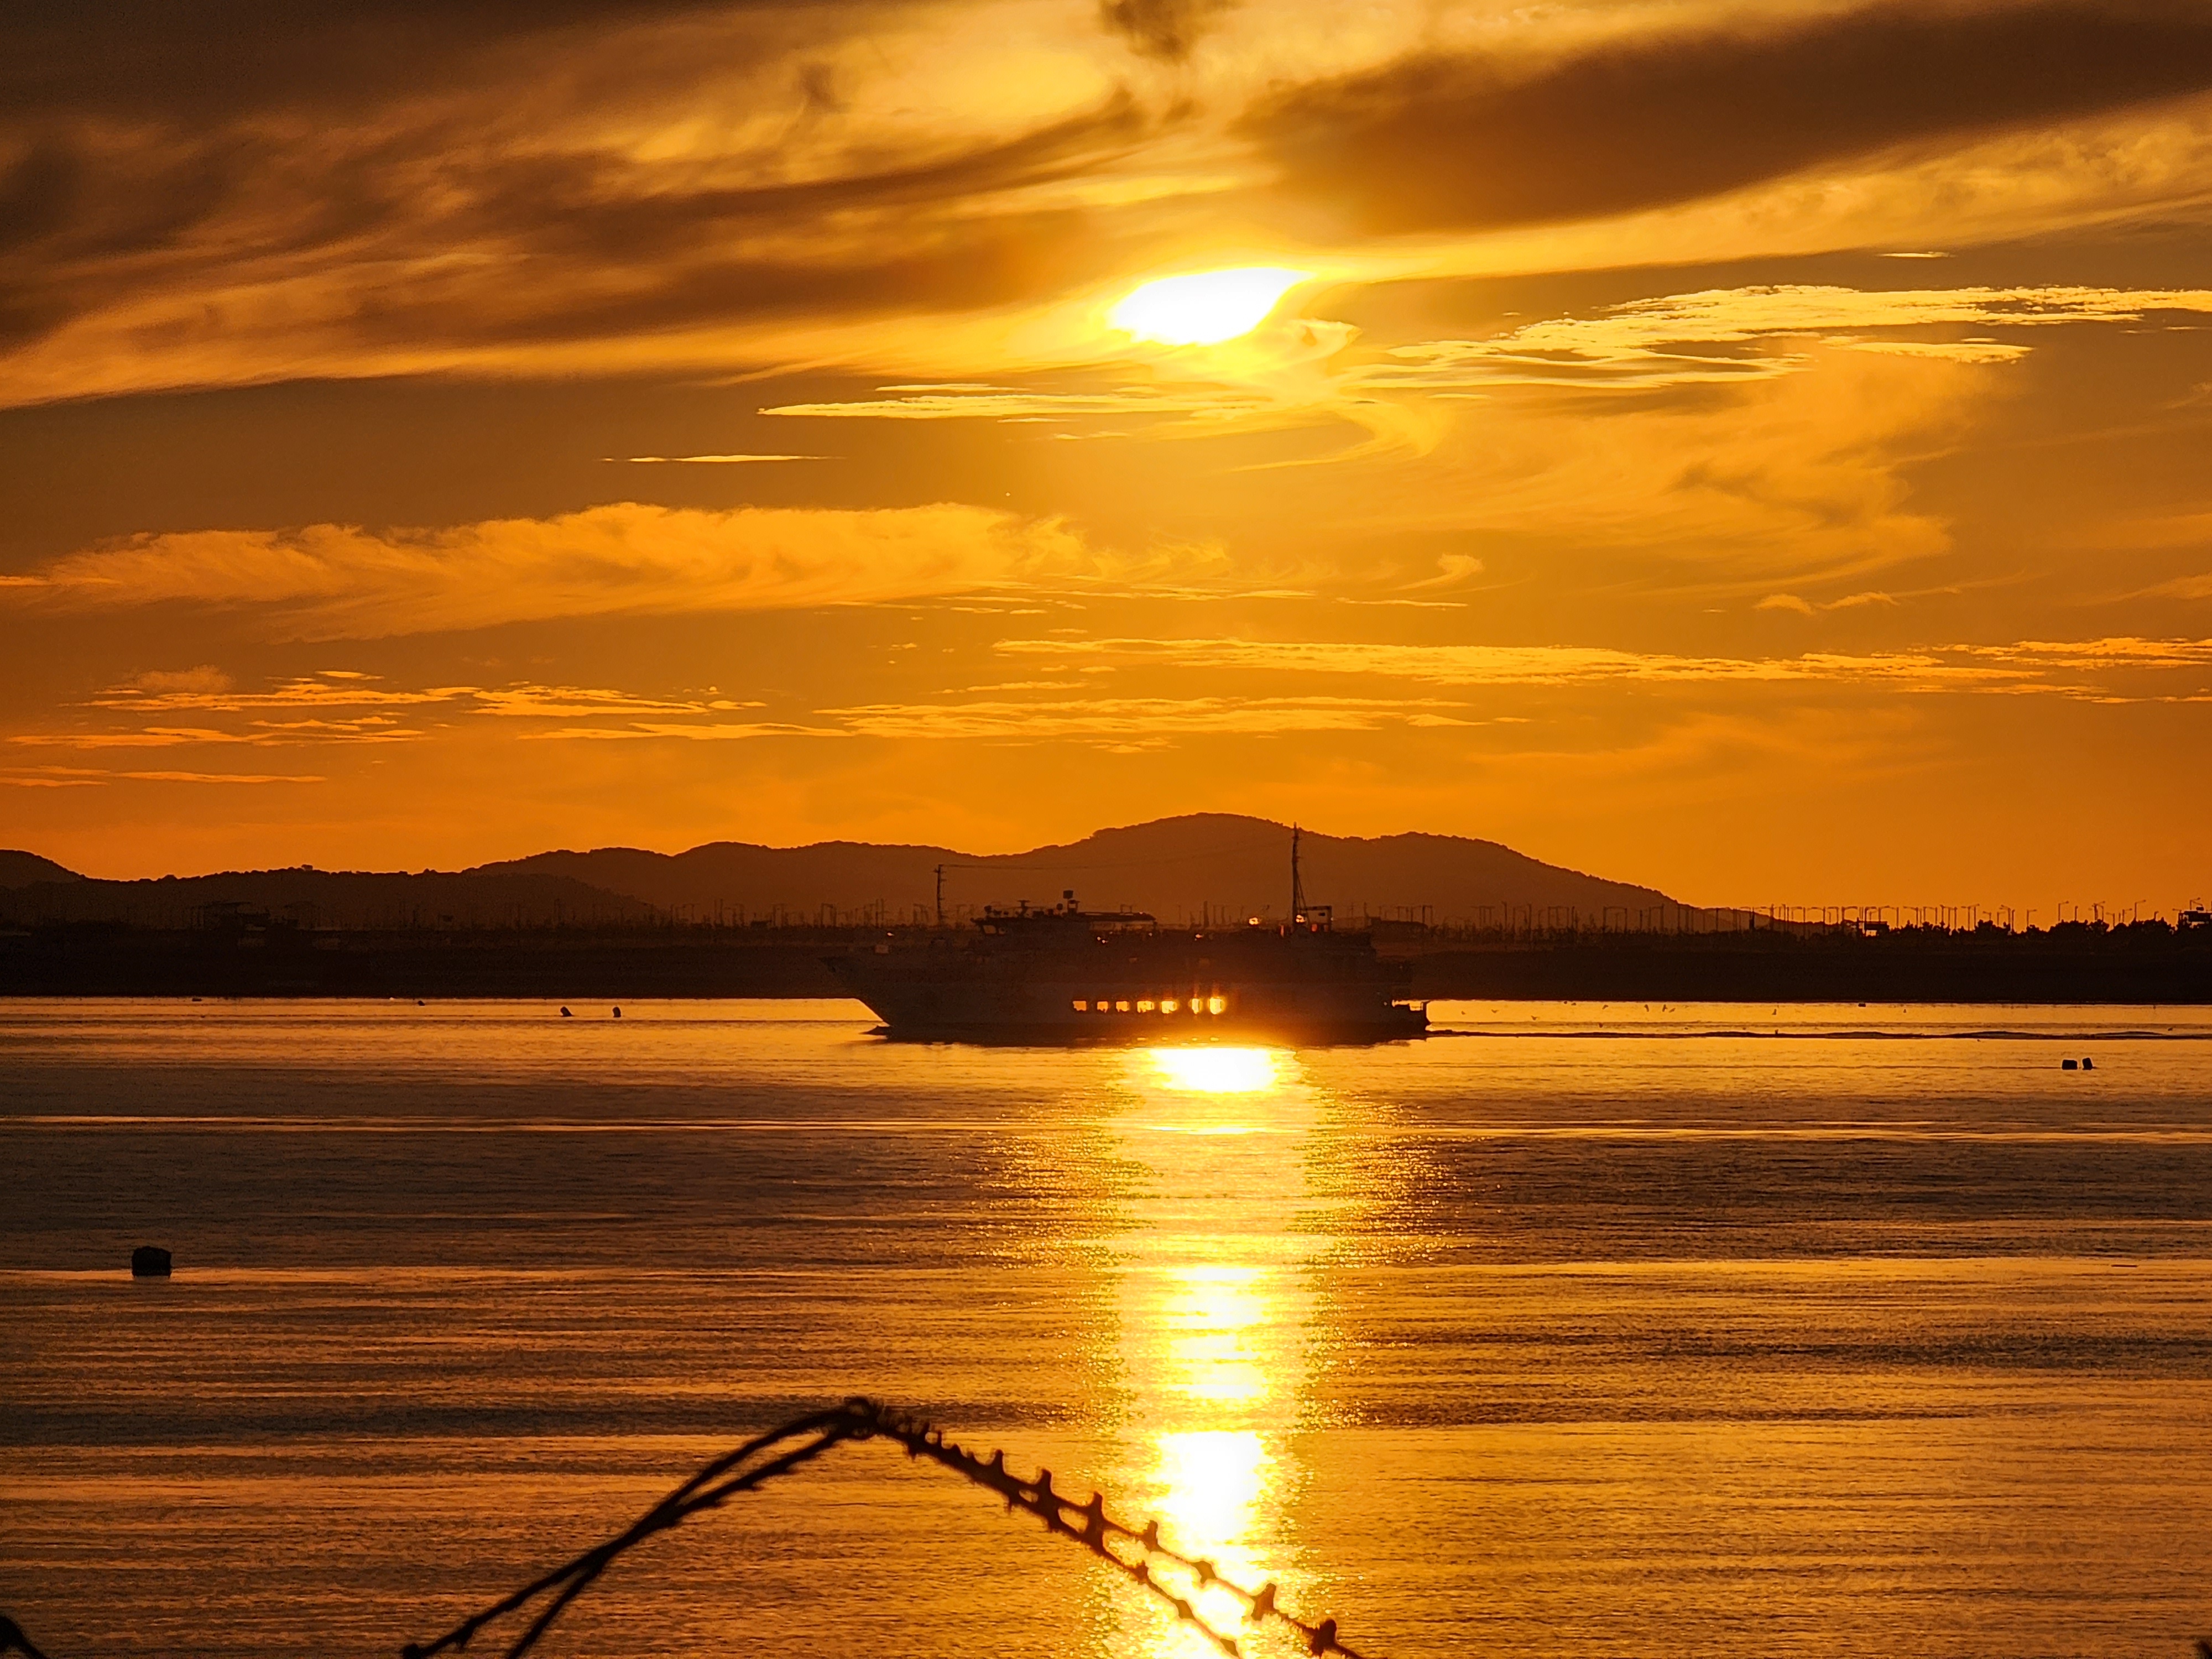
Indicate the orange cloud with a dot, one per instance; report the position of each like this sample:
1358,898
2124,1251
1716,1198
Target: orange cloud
2081,668
329,582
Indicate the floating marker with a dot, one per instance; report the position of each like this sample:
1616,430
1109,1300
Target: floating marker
150,1261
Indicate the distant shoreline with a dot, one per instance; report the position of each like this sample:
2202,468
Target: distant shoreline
2145,964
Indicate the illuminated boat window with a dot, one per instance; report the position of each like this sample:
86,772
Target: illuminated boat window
1080,1005
1170,1005
1121,1008
1216,1005
1144,1005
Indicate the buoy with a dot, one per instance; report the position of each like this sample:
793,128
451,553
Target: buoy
2088,1064
565,1014
617,1013
2069,1065
150,1261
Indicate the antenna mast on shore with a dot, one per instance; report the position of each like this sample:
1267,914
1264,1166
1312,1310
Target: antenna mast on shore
1297,885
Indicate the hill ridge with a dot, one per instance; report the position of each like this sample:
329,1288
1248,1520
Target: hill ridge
1191,866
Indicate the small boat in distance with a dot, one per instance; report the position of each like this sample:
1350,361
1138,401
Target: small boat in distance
1064,975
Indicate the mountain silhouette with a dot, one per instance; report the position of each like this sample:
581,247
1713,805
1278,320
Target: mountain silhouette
21,869
1177,869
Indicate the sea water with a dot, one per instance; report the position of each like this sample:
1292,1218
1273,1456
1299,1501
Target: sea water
1596,1330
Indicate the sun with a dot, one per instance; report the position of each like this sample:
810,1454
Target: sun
1206,307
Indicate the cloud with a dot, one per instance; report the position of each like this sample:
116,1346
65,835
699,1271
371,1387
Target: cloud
393,191
1466,140
2083,669
326,699
1281,372
78,777
1669,340
204,681
141,57
208,688
1165,29
1152,720
962,402
2184,587
708,732
704,460
570,701
601,189
342,582
152,736
1849,602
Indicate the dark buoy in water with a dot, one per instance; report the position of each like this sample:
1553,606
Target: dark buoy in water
617,1013
565,1014
150,1261
2088,1064
2069,1065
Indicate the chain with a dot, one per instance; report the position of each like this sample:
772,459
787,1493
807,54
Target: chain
1091,1525
1137,1555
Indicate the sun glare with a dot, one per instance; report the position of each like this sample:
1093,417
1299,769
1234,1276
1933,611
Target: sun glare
1206,307
1215,1071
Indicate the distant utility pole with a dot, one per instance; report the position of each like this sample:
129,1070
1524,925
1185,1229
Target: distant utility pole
940,895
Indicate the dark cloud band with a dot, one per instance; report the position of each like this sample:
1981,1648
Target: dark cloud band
1436,141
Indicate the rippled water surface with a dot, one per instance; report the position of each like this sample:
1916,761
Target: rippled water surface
1596,1330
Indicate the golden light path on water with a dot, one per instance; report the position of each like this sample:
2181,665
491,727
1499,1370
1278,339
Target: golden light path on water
1216,1312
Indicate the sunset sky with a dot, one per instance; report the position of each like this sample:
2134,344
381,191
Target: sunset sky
1760,450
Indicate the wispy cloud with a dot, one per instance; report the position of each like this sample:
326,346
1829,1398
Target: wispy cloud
962,402
1807,607
704,460
1157,720
1672,341
571,703
691,731
2078,669
343,707
79,777
212,691
1716,337
340,581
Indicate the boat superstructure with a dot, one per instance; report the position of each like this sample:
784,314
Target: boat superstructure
1063,974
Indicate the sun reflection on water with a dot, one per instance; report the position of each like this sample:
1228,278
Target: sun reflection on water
1217,1310
1208,1316
1211,1481
1215,1071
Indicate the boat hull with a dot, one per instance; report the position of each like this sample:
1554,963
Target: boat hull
1148,990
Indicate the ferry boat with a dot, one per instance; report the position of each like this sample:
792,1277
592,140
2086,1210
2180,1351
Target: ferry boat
1064,975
